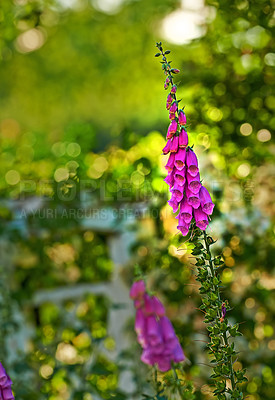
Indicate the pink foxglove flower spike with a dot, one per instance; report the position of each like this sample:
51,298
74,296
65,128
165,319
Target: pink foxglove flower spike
183,170
193,205
154,330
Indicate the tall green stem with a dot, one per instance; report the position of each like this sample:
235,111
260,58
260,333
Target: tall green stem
232,378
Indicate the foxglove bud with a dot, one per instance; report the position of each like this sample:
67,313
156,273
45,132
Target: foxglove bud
158,307
182,118
169,101
174,107
183,138
172,115
174,89
166,148
172,129
137,290
175,144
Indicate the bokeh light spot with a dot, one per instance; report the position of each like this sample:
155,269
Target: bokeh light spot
243,170
46,371
30,40
61,174
73,149
246,129
215,114
263,135
59,149
12,177
269,59
137,178
250,302
100,164
182,26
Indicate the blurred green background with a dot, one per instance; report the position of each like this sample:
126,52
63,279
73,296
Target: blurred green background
82,125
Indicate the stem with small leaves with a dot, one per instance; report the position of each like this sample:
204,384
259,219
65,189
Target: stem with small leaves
220,330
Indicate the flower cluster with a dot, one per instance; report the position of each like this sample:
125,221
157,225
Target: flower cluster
5,385
154,330
188,195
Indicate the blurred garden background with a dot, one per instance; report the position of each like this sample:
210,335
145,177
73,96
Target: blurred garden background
82,125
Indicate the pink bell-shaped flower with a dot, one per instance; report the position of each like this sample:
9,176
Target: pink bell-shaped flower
180,159
207,204
173,203
177,192
182,118
137,290
178,354
148,305
170,163
201,219
192,199
175,144
180,176
183,227
183,138
140,322
166,148
186,211
192,162
172,129
167,329
158,307
194,183
170,179
153,331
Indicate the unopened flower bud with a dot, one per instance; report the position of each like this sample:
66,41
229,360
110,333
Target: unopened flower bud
182,118
174,89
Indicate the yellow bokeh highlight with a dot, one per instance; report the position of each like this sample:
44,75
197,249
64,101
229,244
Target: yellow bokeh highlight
46,371
246,129
61,174
243,170
263,135
12,177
